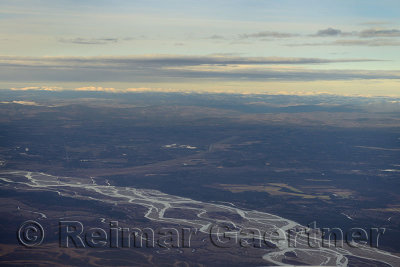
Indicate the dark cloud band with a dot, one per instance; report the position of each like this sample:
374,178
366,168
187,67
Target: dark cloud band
176,69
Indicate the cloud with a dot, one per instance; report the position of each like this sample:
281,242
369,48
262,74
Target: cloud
142,62
26,103
332,32
352,42
368,33
88,89
126,90
174,69
302,93
96,89
328,32
216,37
375,42
43,88
372,33
189,91
90,41
267,34
383,37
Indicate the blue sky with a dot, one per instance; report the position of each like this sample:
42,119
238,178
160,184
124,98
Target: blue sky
353,46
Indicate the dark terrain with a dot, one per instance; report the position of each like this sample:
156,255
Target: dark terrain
332,160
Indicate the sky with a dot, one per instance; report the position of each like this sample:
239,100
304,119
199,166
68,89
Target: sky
344,47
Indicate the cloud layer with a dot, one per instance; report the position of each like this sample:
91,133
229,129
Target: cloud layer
174,68
383,37
267,34
89,41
